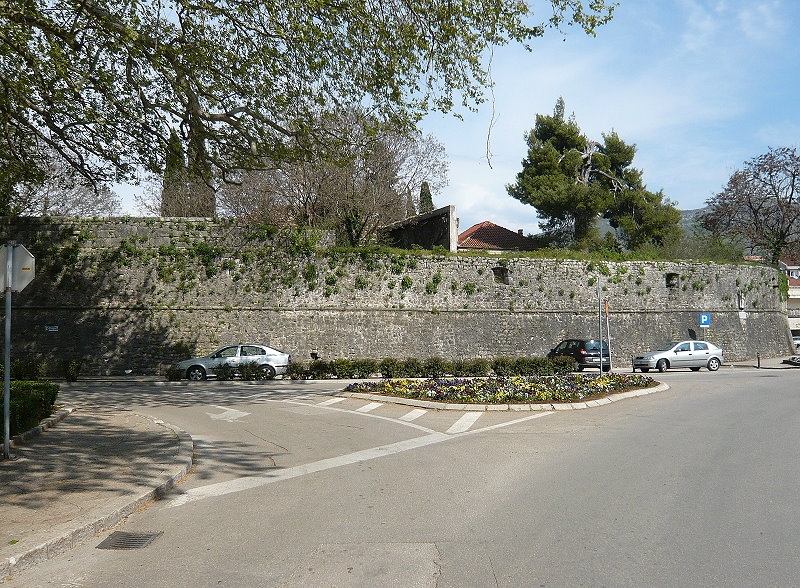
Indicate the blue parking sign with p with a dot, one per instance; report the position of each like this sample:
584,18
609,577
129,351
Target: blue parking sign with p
705,319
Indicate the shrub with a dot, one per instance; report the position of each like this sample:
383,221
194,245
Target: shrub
298,370
32,370
476,368
342,368
365,368
173,374
436,367
251,371
411,368
70,368
503,366
319,369
389,367
563,364
224,372
30,403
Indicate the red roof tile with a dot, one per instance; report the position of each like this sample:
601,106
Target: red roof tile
487,235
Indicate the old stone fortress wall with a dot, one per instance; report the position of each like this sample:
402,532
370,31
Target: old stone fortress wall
135,294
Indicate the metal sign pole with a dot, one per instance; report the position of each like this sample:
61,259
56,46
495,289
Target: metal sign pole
7,363
600,324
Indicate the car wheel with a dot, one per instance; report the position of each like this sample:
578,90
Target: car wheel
268,372
606,368
645,370
196,373
713,364
578,368
662,366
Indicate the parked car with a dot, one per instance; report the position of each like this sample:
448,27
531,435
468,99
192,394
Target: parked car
271,361
796,341
585,352
681,354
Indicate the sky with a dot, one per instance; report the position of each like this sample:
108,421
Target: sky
699,86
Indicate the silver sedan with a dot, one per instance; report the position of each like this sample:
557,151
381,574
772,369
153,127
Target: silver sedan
270,361
681,354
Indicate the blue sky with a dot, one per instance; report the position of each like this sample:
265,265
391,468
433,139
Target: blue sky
700,86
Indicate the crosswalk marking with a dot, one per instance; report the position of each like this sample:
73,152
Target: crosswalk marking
464,423
369,407
330,401
413,415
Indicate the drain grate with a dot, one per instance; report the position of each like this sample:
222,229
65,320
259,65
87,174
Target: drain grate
125,540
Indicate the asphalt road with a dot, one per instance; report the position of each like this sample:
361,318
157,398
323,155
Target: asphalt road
292,487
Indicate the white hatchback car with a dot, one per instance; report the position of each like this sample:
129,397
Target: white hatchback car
681,354
270,361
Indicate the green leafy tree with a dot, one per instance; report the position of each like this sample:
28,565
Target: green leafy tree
760,206
106,83
572,181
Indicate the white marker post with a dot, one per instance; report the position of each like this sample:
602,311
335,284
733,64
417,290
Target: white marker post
20,267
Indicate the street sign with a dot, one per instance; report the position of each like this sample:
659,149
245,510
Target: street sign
705,319
23,267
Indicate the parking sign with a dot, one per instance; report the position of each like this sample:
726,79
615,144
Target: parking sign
705,319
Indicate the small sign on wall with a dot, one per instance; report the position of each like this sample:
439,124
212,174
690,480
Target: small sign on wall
51,328
704,320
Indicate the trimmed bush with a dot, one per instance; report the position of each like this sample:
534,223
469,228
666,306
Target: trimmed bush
31,370
389,367
563,364
411,368
298,370
503,366
319,369
343,368
70,368
436,367
30,403
365,368
224,372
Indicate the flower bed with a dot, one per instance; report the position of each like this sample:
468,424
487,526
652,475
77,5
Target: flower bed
516,389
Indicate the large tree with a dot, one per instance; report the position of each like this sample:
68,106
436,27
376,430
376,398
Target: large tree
572,181
105,82
362,183
760,206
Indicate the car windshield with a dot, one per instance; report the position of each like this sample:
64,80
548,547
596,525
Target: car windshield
668,346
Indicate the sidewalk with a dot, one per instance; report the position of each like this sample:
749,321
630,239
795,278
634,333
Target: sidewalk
84,473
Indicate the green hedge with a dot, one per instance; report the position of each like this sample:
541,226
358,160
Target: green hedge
30,403
432,367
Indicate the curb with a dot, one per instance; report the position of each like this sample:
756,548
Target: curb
500,407
58,545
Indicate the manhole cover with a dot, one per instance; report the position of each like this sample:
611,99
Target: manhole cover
125,540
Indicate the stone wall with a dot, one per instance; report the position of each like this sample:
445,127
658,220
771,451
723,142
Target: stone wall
137,294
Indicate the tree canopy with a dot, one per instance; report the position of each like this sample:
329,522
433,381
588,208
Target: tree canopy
572,181
105,83
760,205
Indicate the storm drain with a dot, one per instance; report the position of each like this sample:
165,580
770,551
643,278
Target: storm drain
125,540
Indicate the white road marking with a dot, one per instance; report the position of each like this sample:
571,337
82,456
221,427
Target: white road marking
413,415
239,484
330,401
229,414
464,423
369,407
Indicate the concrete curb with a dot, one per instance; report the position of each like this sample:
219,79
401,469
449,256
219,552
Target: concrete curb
58,545
501,407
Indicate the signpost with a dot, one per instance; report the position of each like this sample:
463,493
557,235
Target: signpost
704,320
20,267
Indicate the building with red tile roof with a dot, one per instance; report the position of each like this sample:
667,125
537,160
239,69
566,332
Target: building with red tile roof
487,236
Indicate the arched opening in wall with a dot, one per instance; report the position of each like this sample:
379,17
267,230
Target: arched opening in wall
672,280
501,275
